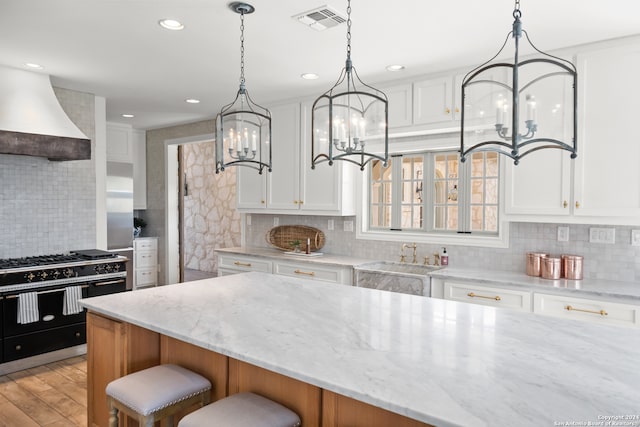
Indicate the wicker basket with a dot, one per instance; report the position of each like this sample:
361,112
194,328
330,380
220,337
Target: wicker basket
282,236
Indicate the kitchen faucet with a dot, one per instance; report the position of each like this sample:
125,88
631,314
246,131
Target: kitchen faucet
414,247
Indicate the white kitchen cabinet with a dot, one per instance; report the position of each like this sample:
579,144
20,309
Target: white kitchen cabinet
292,186
314,271
400,106
120,144
139,169
486,295
607,176
145,262
602,185
433,101
589,310
232,264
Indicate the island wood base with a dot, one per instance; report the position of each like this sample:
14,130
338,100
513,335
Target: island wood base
116,348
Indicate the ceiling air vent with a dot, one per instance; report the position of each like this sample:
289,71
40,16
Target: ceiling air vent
321,18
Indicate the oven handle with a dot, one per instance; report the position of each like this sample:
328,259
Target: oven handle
43,292
111,282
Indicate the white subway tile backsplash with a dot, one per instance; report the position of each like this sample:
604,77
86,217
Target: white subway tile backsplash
619,261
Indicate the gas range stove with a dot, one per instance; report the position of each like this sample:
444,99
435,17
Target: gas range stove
59,268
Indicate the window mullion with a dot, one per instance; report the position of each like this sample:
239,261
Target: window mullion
396,193
464,193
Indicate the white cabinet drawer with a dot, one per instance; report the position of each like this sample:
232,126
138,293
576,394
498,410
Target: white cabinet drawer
146,259
485,295
244,263
146,277
311,271
145,244
589,310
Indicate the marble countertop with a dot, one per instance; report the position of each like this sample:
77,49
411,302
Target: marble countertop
326,259
596,288
440,362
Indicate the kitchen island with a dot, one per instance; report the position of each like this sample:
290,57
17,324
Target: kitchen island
430,361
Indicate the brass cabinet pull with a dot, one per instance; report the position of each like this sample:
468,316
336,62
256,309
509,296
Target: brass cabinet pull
577,205
243,264
457,110
295,202
600,312
447,110
306,273
473,295
300,201
565,204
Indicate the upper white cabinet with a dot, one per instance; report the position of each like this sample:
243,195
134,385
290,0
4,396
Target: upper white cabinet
434,101
603,183
292,186
607,176
400,107
128,145
139,169
119,143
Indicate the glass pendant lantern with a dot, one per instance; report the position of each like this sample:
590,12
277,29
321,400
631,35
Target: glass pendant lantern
243,128
349,116
517,108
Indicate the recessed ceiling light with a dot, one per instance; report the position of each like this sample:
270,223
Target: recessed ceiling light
309,76
128,116
171,24
33,66
192,101
395,67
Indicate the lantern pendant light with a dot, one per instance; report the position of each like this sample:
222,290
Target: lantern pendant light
349,116
546,85
243,128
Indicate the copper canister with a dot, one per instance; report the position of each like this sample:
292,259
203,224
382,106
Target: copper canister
551,268
534,266
572,267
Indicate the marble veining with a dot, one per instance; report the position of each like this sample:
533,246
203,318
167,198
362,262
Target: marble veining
440,362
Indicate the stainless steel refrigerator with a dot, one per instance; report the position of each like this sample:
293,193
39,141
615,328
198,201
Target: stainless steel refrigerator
120,213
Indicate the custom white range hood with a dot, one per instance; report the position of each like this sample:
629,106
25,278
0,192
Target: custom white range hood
33,123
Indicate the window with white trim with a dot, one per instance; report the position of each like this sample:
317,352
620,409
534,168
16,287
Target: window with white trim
434,192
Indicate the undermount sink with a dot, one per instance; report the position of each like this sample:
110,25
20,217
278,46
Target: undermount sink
395,277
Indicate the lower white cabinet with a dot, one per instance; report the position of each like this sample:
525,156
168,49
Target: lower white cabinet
145,262
229,263
486,295
313,271
232,264
589,310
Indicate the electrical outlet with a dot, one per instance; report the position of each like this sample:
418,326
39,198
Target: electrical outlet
602,235
635,237
248,219
330,225
276,221
348,226
563,234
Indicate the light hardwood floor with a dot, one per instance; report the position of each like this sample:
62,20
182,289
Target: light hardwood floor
50,395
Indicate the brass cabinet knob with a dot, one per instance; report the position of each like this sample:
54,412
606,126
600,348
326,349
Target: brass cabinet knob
457,110
295,202
262,201
577,205
300,201
565,204
447,110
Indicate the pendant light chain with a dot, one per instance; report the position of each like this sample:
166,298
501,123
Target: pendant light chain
516,10
242,48
348,29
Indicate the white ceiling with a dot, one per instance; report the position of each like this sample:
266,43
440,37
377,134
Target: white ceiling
116,49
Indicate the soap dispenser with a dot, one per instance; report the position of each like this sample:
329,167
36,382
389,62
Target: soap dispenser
444,257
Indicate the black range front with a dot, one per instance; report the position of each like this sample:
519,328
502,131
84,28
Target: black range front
49,286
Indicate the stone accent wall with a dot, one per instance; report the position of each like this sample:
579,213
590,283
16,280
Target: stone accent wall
50,207
211,220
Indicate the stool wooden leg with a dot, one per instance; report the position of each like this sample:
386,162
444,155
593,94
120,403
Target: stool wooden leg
113,417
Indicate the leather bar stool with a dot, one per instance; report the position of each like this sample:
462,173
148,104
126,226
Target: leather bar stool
156,393
242,410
